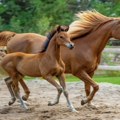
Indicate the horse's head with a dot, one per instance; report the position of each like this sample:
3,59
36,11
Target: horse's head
116,29
63,37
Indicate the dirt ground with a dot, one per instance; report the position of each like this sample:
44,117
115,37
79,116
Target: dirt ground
107,102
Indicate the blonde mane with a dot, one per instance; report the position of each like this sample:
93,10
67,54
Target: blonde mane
86,22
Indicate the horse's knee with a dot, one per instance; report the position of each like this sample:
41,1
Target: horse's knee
60,90
96,88
65,93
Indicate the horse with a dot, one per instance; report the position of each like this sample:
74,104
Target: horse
19,64
90,33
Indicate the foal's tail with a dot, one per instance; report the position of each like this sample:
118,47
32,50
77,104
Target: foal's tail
5,36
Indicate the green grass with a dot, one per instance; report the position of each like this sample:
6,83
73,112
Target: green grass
99,79
113,80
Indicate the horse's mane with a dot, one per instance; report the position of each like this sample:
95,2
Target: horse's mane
49,37
86,22
5,37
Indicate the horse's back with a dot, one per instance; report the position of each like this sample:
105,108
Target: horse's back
26,42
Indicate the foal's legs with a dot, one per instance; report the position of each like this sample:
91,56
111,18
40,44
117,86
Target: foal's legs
16,78
61,79
23,84
26,89
54,83
86,78
59,89
8,82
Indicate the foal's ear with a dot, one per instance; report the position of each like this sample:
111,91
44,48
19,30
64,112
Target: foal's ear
59,28
62,28
66,28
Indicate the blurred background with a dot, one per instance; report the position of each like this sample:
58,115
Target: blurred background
40,16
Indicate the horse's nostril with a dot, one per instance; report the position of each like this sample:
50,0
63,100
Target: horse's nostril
71,46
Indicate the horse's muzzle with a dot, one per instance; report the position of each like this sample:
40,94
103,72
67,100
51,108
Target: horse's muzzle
70,45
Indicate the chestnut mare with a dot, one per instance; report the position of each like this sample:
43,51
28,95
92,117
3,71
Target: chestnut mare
46,64
90,34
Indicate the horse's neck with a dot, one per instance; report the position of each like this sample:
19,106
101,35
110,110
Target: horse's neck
53,50
99,38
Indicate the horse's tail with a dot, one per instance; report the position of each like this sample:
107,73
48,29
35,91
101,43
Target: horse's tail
5,36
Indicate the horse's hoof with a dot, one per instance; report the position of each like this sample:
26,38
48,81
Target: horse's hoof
24,98
49,103
12,101
74,110
24,106
83,102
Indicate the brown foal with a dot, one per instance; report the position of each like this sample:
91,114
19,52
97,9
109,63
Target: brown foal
46,64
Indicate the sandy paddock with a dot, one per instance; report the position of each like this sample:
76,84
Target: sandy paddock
107,102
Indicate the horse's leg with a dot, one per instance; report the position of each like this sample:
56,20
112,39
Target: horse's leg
86,78
26,89
16,78
8,82
58,87
61,79
88,88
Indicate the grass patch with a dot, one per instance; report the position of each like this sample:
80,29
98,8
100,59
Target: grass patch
99,79
113,80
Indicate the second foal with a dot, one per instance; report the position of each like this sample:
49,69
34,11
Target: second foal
46,64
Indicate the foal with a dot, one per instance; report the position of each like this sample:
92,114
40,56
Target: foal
46,64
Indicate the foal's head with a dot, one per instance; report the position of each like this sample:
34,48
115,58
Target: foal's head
63,38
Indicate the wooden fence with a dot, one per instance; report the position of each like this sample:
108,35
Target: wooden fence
107,67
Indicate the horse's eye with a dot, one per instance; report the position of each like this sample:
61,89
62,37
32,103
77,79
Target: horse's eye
61,37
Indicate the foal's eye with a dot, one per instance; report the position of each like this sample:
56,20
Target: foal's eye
61,37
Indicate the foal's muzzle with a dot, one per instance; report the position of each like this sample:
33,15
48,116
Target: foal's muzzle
70,45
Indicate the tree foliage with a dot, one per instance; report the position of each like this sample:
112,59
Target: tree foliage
33,15
41,15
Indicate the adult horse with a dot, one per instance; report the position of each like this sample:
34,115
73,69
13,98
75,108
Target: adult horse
90,33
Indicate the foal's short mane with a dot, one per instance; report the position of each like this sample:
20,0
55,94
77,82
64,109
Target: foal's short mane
49,37
5,37
86,22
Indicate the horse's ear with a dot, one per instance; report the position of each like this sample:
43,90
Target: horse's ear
62,28
66,28
59,28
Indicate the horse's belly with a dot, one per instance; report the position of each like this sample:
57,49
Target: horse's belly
29,70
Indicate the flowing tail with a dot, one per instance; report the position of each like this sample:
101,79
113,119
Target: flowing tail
5,36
